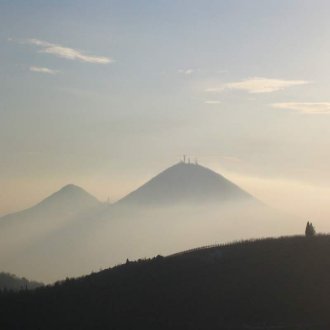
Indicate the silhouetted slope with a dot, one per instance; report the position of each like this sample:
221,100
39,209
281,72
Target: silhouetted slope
12,282
281,283
185,183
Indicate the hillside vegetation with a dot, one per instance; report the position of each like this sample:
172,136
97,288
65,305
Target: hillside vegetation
12,282
272,283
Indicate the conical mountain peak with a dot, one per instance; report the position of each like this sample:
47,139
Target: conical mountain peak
69,196
186,182
71,187
69,199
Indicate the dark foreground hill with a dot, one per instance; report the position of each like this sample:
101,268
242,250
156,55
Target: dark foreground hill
266,284
13,282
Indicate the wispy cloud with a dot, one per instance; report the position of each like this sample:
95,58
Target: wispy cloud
258,85
43,70
68,53
212,102
186,71
215,89
310,108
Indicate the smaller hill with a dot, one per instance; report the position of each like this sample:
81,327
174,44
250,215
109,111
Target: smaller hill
67,201
21,231
12,282
70,198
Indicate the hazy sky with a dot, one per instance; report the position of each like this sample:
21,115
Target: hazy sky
105,94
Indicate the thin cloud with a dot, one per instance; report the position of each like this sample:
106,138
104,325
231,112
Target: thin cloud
68,53
309,108
186,71
212,102
258,85
43,70
215,89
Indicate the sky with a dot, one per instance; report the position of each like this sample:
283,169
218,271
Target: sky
107,94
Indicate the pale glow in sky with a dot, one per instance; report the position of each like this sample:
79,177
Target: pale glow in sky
106,95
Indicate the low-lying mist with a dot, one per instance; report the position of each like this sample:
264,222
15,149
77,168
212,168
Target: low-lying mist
108,235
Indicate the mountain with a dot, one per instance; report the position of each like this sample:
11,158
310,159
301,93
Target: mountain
20,231
57,209
185,183
69,200
12,282
70,233
264,284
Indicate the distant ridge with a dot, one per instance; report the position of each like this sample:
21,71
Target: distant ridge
185,182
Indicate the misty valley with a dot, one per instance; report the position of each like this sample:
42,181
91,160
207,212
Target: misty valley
151,284
71,233
164,165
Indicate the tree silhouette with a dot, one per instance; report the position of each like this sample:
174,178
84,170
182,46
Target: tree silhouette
310,230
